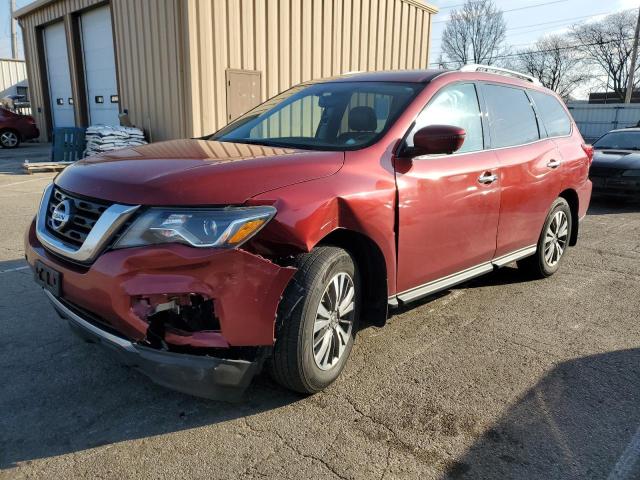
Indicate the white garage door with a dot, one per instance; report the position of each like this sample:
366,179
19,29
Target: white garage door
55,43
100,67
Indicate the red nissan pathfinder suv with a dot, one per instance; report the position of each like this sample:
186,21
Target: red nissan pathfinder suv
266,244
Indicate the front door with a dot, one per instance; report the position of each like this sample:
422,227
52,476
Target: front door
448,204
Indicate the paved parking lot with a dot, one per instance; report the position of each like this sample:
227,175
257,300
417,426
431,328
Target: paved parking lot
500,378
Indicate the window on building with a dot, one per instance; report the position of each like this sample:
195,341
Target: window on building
23,91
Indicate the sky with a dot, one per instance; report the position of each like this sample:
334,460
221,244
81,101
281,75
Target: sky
527,21
5,28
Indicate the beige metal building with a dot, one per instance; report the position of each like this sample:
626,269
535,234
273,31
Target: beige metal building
13,77
183,68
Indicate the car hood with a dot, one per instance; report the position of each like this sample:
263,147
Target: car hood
194,172
626,159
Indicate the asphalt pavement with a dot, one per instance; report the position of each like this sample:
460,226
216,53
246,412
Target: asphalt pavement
499,378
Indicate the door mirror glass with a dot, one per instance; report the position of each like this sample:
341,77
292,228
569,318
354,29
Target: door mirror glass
437,140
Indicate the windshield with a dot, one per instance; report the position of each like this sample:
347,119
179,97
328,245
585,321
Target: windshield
323,116
619,141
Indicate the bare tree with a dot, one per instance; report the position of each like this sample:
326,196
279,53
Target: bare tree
608,44
473,34
555,62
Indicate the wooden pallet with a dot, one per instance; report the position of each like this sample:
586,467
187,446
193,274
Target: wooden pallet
44,166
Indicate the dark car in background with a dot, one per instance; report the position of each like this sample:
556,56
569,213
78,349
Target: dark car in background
615,170
16,128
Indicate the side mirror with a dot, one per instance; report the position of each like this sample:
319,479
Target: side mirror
437,139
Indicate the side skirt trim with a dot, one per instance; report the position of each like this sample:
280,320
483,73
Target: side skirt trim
460,277
513,256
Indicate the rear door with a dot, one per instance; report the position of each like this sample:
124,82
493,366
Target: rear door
530,167
558,125
448,210
55,44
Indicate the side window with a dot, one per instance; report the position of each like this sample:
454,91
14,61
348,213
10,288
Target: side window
511,116
456,105
554,117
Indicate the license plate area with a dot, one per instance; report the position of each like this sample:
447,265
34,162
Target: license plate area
48,278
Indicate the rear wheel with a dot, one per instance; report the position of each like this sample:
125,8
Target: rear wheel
9,139
552,244
318,318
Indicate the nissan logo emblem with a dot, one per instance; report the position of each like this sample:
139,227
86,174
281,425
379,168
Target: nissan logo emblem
61,214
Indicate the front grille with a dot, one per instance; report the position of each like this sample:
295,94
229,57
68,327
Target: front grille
605,171
84,215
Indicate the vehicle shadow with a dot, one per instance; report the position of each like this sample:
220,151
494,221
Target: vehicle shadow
61,395
502,276
580,421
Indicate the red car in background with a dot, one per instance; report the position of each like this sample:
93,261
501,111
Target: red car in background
16,128
198,261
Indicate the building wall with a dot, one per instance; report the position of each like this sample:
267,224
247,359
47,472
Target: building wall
13,73
593,121
151,66
172,55
148,44
290,41
47,14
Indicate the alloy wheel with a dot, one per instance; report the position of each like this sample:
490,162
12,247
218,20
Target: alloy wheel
555,239
9,139
333,326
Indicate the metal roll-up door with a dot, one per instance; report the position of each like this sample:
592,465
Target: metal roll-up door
100,66
57,59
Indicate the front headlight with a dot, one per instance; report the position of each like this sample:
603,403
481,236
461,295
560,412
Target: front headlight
216,227
631,173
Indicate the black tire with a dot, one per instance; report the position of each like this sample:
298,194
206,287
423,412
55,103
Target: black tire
293,364
537,265
9,138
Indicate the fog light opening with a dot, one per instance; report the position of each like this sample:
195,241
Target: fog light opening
186,313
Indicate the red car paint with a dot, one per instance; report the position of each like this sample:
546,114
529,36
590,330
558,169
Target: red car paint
24,125
245,289
428,218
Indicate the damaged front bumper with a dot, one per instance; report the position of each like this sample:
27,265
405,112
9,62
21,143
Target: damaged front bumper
198,375
116,301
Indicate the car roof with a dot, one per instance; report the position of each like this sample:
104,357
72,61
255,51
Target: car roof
425,76
630,129
409,76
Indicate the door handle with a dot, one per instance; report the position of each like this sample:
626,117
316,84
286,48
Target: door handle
487,178
553,163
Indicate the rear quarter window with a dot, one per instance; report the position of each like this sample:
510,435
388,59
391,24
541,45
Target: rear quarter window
555,118
511,117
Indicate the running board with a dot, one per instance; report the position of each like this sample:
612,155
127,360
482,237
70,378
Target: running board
460,277
512,257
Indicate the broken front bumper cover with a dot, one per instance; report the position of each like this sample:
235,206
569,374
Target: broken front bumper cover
201,376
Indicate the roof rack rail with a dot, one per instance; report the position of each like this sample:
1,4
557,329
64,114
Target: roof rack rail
474,67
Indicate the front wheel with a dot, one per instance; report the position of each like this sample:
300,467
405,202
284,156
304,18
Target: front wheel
317,319
552,244
9,139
